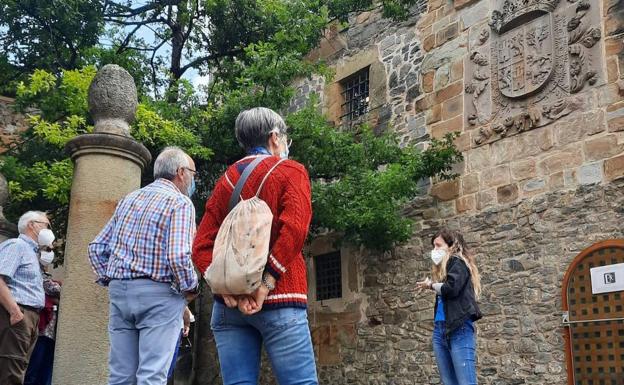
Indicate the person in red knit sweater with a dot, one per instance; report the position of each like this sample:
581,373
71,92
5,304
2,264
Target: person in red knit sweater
275,314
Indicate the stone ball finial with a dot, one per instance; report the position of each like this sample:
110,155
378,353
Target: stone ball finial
112,100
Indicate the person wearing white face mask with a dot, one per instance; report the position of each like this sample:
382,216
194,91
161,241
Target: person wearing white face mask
21,295
46,253
39,370
457,285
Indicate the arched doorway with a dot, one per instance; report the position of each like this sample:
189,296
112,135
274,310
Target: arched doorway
594,323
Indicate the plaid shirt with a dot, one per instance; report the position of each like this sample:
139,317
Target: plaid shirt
149,236
19,266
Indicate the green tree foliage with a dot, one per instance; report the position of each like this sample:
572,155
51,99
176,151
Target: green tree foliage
48,35
361,180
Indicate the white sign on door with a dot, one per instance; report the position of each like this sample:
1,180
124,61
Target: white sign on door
606,279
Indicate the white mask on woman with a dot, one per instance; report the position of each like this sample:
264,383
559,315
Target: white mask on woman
437,255
46,257
46,237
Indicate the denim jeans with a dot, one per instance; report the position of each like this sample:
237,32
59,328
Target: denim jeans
456,356
286,338
144,326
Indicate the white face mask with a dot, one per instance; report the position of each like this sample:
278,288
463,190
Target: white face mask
46,237
437,255
46,257
283,154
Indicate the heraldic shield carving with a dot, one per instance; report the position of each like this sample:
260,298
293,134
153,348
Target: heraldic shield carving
525,58
524,71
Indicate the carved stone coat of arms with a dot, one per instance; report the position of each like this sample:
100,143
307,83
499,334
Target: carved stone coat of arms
525,69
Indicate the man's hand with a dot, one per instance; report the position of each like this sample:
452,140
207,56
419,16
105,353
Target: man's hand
16,316
186,318
190,296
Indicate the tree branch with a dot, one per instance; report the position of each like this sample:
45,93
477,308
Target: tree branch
127,11
154,67
140,23
124,44
205,59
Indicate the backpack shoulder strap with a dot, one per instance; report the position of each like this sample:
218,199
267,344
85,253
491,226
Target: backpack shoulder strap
241,182
267,175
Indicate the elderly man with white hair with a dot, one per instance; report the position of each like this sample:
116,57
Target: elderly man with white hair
21,293
143,255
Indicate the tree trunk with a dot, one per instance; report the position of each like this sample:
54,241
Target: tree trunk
177,24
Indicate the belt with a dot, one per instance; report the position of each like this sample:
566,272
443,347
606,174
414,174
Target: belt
26,307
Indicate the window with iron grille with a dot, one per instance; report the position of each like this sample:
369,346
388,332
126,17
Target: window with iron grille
355,96
328,276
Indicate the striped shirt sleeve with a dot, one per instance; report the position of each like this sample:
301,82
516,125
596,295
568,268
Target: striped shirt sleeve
10,258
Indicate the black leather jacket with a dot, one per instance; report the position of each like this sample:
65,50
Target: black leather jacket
458,296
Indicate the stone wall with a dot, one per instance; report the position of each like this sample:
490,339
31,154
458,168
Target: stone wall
542,178
11,122
524,249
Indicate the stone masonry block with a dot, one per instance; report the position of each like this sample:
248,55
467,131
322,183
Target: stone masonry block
495,176
523,169
560,161
427,81
508,193
470,183
590,173
614,168
438,130
602,147
466,203
446,190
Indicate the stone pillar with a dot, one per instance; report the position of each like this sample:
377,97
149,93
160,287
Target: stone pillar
107,166
7,229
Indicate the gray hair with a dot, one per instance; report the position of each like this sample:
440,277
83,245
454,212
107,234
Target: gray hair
27,217
169,161
253,126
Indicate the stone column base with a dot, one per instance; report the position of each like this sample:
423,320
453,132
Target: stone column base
107,168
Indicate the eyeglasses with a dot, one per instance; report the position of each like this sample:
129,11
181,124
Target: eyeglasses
190,169
45,223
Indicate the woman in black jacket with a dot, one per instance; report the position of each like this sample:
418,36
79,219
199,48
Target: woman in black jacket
457,285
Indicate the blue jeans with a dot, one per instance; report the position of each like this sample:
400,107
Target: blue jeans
144,326
286,337
175,357
41,361
456,356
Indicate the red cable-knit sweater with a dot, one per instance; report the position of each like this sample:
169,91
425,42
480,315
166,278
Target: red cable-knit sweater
287,193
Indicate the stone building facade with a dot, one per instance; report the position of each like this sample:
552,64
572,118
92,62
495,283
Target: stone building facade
535,89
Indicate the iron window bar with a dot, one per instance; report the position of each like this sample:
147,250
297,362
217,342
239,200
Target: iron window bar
328,276
355,95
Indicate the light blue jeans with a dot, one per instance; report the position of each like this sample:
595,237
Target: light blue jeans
286,337
456,356
144,326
